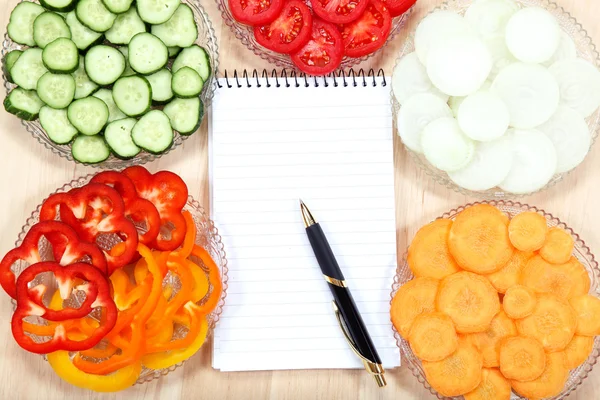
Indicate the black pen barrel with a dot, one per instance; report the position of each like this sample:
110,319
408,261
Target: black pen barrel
354,323
323,253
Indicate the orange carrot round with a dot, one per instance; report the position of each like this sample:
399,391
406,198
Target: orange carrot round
578,350
510,274
558,246
587,310
522,358
493,386
527,231
412,299
428,254
519,301
432,336
550,383
479,241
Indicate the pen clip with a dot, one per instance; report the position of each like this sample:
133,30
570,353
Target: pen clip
376,370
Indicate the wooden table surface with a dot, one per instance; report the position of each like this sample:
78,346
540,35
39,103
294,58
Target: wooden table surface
30,172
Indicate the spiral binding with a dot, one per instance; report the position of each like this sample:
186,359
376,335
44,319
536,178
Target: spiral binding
290,77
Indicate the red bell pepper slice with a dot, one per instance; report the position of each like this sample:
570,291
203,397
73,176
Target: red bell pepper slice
137,209
60,235
66,277
169,194
94,210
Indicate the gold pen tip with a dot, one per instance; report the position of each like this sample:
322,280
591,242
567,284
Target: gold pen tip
306,215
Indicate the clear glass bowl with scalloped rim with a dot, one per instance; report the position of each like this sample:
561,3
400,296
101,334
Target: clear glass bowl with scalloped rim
585,49
206,38
581,251
207,236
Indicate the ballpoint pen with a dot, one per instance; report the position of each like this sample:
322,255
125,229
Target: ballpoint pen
345,309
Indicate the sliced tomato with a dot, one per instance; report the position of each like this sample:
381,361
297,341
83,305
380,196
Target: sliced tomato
289,31
255,12
323,52
339,11
369,32
398,7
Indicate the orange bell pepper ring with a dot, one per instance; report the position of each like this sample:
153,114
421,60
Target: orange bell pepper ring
214,278
135,348
196,317
190,236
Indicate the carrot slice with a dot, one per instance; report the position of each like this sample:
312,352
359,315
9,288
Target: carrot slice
527,231
478,239
519,301
558,246
522,358
433,337
457,374
587,310
493,386
510,274
578,350
552,323
428,254
563,280
412,299
550,383
488,342
469,299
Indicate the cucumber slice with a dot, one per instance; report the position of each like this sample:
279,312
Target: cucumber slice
579,83
8,61
161,86
458,66
180,30
437,27
20,24
186,83
532,35
147,54
83,85
28,69
61,56
489,166
153,132
48,27
81,35
534,162
61,6
104,64
88,115
118,136
113,111
185,115
571,137
196,58
489,17
567,50
90,149
157,11
417,112
410,78
94,15
173,51
118,6
126,26
133,95
57,125
529,91
501,56
445,146
56,90
25,104
483,116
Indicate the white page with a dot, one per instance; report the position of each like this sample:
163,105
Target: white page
332,147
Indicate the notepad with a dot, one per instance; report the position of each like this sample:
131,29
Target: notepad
332,147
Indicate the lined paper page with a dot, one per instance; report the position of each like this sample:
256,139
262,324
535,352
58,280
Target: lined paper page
332,147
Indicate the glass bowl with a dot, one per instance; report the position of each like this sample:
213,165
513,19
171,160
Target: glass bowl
585,49
206,38
246,35
581,251
207,236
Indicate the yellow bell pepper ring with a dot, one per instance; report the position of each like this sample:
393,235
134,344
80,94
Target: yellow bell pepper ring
167,359
61,363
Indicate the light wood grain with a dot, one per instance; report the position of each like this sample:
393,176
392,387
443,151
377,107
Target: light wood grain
30,172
